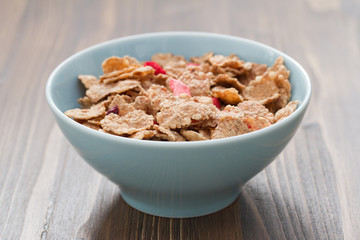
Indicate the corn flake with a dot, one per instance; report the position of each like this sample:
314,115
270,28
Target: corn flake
85,114
253,108
144,103
231,123
183,112
144,134
263,89
132,122
204,59
227,81
97,92
112,64
168,134
286,111
88,80
96,120
231,61
252,73
175,69
196,80
123,106
227,95
159,95
85,102
165,58
91,125
191,135
139,73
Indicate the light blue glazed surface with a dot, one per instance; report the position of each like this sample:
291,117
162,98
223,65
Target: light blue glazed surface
174,179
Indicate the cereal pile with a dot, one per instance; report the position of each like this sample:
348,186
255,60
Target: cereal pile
172,99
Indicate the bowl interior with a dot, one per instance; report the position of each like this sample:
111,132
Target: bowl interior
64,89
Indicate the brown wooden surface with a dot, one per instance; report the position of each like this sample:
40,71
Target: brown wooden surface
311,191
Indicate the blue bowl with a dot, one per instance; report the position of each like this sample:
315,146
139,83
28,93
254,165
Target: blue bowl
174,179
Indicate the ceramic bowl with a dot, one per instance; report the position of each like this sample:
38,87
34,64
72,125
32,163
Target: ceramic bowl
174,179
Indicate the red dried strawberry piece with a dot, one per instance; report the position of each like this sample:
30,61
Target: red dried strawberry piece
114,109
156,66
178,87
216,102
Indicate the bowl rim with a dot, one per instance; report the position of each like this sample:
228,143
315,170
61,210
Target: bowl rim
239,138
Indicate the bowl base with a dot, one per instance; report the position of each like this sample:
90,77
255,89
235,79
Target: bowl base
180,207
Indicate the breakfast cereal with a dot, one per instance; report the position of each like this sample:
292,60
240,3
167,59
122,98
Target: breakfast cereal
286,111
171,99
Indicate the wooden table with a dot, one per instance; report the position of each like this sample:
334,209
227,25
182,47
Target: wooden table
311,191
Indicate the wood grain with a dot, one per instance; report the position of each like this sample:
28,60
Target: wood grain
311,191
